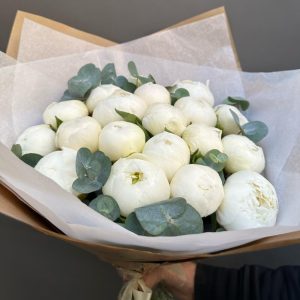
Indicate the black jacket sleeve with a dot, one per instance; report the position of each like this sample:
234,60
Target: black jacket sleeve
247,283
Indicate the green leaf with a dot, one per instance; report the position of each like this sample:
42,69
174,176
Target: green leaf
93,170
222,176
236,118
135,74
108,74
195,156
123,83
131,118
31,159
88,77
239,102
255,130
17,150
214,223
106,206
133,69
58,122
179,93
214,159
67,96
128,117
133,224
169,218
144,80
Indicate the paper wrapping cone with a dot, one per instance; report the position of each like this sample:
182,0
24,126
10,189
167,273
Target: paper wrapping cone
11,206
88,41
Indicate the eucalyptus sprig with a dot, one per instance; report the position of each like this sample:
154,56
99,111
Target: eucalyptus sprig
140,80
30,159
106,206
213,159
171,217
93,170
238,102
254,130
179,93
131,118
80,85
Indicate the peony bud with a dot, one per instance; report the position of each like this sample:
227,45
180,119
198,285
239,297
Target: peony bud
60,166
168,151
200,186
65,111
203,138
250,201
197,111
39,139
161,116
120,139
79,133
105,111
242,154
134,183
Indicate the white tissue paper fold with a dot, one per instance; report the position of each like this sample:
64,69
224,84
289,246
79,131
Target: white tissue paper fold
203,42
27,88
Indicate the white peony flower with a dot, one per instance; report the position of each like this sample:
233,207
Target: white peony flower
200,186
60,166
203,138
78,133
242,154
38,139
196,89
197,111
250,201
98,94
65,111
153,93
162,116
134,183
105,111
120,139
225,119
168,151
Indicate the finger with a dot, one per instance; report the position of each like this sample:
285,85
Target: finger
152,278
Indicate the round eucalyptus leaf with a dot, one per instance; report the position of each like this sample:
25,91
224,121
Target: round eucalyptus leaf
88,77
239,102
190,222
156,218
133,224
133,69
255,130
106,206
85,185
93,170
123,83
108,74
31,159
179,93
16,149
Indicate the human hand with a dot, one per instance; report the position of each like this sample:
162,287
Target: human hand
178,278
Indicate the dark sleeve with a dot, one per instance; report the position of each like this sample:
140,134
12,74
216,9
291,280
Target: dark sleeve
247,283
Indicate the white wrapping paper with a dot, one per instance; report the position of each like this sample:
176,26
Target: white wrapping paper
26,89
204,42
